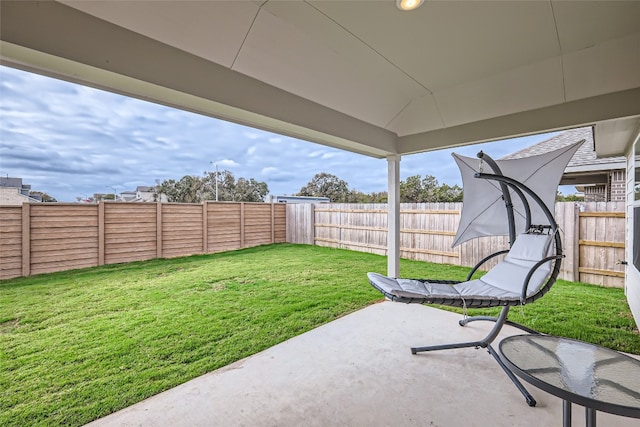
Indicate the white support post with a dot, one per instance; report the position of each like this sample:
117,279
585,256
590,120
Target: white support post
632,273
393,216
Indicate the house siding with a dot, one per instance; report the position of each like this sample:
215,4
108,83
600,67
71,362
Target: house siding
12,197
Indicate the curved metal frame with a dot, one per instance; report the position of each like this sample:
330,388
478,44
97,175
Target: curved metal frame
520,189
506,196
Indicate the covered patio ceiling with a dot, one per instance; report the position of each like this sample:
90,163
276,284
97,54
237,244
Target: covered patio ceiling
357,75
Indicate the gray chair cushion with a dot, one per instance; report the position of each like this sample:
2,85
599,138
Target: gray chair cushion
503,282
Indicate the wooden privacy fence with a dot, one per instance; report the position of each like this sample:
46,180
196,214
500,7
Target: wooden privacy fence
593,235
42,238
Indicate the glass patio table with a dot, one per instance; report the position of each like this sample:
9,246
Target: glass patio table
598,378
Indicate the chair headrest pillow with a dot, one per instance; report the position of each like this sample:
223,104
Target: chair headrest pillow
530,247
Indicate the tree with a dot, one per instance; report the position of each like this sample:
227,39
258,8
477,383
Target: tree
411,189
242,190
190,189
193,189
223,190
42,196
446,193
569,198
356,196
168,188
250,190
326,185
381,197
187,190
416,189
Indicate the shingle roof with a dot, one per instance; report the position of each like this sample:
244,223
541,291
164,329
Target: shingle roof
585,155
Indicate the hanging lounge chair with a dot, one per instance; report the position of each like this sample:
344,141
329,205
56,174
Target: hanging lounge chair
521,192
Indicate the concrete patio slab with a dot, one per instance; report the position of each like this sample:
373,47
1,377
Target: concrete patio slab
359,371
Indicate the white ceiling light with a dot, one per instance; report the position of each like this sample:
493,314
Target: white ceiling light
407,5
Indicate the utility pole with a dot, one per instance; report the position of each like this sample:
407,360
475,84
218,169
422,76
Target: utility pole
216,165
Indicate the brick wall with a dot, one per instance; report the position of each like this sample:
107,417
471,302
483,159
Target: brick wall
618,186
613,191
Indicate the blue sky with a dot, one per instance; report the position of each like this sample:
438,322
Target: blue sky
73,141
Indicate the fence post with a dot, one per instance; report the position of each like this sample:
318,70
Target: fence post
159,229
312,224
576,243
205,228
289,220
568,218
26,239
273,222
242,224
101,233
340,210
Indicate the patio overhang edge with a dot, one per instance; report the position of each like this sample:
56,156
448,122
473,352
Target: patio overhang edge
596,110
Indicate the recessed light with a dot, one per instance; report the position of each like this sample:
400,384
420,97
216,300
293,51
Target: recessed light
407,5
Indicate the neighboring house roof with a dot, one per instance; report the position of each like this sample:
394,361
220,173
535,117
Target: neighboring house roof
298,199
14,192
128,196
142,193
584,167
10,182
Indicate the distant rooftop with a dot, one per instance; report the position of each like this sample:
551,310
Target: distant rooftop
298,199
585,157
10,182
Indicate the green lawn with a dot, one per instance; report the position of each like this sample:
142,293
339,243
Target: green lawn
78,345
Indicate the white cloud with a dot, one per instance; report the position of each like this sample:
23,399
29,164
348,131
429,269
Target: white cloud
251,150
227,163
251,135
276,175
269,170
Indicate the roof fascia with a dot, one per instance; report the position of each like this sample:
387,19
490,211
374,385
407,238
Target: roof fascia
583,112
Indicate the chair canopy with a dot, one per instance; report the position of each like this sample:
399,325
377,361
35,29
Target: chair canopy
483,203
